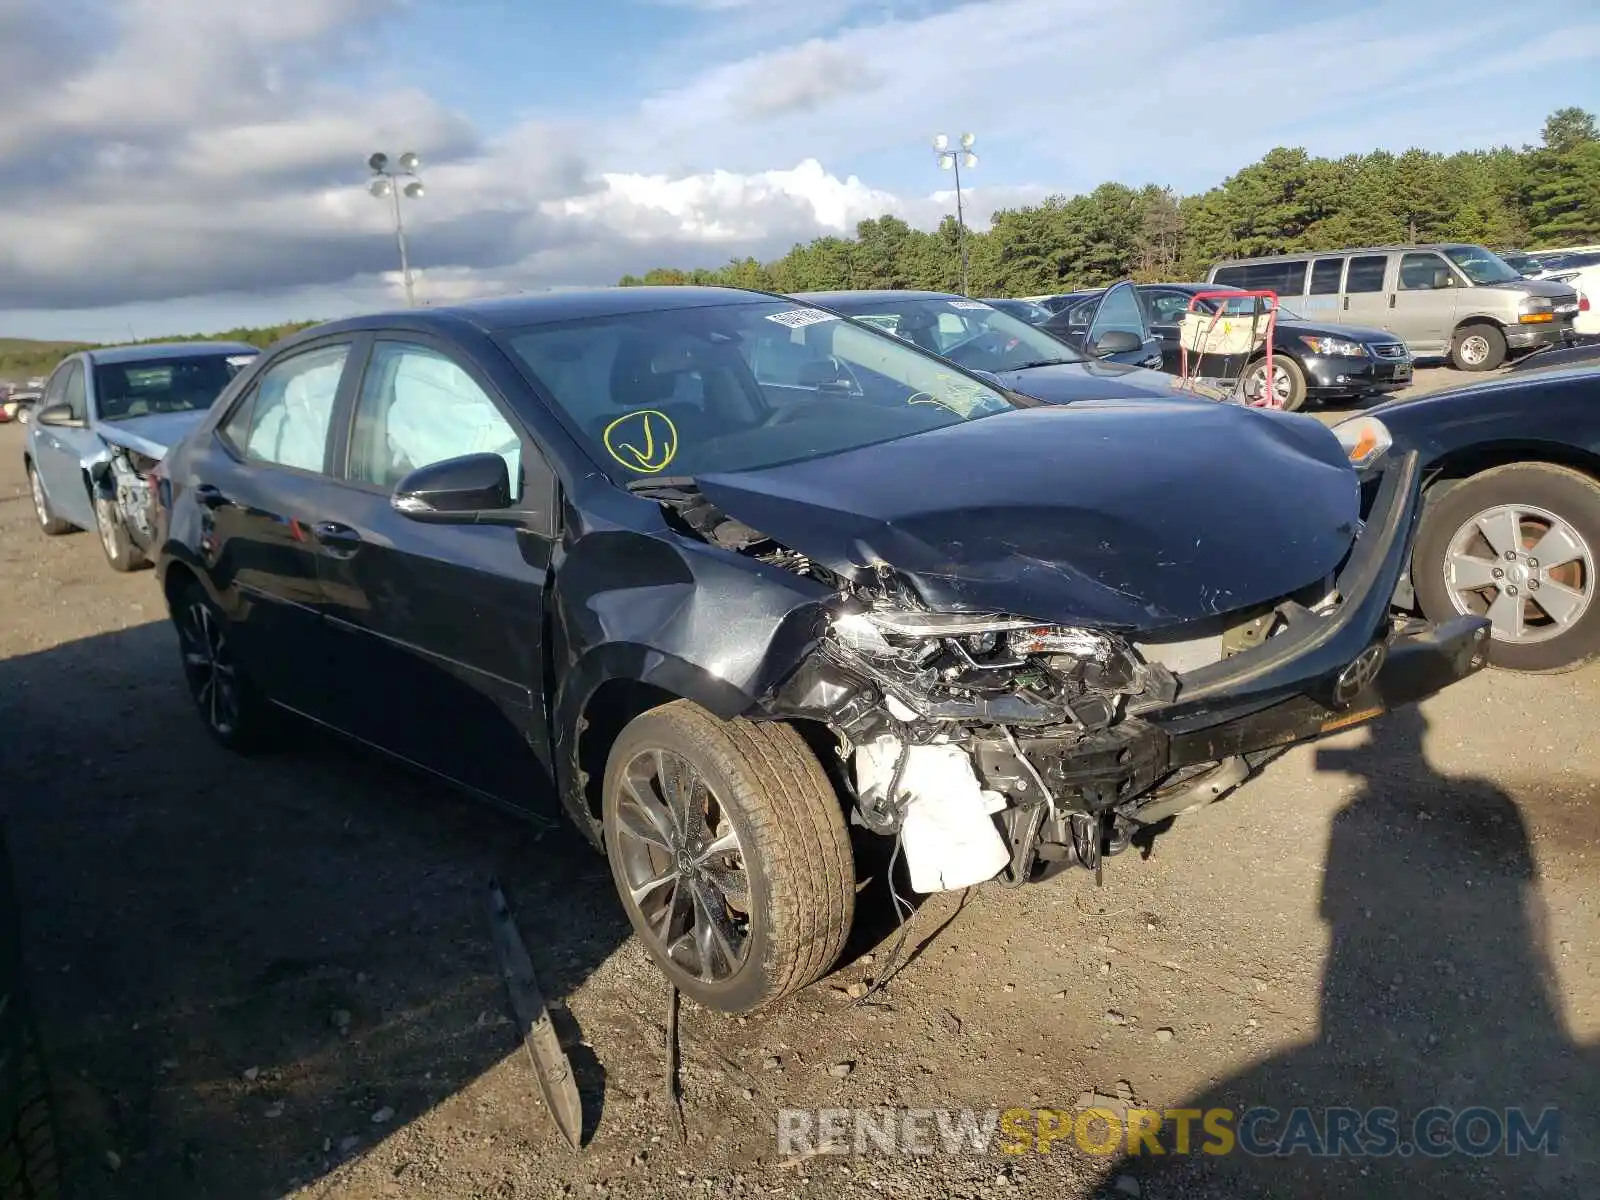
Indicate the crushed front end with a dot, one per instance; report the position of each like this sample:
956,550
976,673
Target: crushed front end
998,746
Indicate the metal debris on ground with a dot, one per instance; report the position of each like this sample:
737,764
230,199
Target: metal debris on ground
674,1090
551,1066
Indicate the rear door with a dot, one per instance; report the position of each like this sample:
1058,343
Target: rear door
1422,306
438,629
1366,292
262,481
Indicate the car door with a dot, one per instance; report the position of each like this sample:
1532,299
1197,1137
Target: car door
1121,311
1365,291
61,449
439,628
1422,305
262,485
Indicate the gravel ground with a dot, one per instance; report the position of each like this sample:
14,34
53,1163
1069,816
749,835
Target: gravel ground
274,977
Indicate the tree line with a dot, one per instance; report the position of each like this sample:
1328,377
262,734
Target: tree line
22,359
1538,196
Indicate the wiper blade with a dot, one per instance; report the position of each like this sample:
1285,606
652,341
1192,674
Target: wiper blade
663,483
1044,362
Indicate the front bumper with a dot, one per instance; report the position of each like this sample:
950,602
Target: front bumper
1329,375
1321,673
1533,337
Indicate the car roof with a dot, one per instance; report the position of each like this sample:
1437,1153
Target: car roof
143,353
870,295
544,308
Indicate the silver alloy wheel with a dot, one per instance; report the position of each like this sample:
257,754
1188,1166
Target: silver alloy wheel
1474,349
1282,387
1525,568
683,865
40,505
208,666
105,518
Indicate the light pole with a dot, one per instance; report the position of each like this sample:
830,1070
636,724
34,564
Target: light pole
387,182
954,160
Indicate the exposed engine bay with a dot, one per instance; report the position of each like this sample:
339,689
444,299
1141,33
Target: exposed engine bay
994,745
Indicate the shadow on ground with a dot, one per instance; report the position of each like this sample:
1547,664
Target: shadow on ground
1437,992
236,964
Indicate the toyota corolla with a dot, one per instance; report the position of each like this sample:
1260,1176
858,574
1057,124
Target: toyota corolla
735,573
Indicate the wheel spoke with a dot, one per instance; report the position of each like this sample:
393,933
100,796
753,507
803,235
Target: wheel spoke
1502,529
725,842
1559,545
1560,603
643,820
1505,614
714,935
732,882
1470,573
643,891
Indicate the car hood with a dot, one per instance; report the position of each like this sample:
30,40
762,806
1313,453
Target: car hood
1549,288
1068,383
154,433
1353,333
1132,515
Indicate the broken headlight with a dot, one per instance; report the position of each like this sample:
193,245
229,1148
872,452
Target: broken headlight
990,667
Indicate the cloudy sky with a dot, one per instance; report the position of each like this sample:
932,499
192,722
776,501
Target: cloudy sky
189,165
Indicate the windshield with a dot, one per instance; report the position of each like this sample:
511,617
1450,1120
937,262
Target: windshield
731,387
163,385
1480,265
1245,306
967,332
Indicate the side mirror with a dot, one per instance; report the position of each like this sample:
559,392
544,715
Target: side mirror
1115,341
59,414
472,489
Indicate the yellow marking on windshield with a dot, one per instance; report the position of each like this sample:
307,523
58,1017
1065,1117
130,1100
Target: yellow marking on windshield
642,451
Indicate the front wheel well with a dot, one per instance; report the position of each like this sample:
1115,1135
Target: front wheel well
610,708
1468,322
1464,464
178,578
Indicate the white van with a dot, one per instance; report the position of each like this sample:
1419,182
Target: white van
1446,299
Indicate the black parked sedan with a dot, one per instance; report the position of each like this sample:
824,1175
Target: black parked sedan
735,570
974,335
1510,524
1312,361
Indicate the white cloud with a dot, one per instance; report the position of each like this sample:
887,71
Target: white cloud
201,148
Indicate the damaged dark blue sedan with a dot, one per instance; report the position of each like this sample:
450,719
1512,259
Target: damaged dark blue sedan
736,572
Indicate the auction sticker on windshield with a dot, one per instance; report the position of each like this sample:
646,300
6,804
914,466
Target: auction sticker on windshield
968,304
799,318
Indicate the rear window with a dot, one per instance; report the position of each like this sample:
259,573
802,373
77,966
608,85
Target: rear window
1286,278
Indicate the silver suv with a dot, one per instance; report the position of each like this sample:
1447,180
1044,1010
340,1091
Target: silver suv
1442,299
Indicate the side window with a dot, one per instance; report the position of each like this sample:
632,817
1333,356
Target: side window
1325,273
1083,313
73,392
1231,277
1424,272
419,407
1366,273
286,420
1119,311
55,388
1167,308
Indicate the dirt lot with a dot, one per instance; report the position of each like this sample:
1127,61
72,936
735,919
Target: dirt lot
274,977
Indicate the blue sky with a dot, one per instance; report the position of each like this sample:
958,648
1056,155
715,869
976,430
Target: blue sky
199,165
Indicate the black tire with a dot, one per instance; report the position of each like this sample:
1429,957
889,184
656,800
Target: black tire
1295,400
115,540
1567,494
799,874
1479,347
52,525
28,1165
238,715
